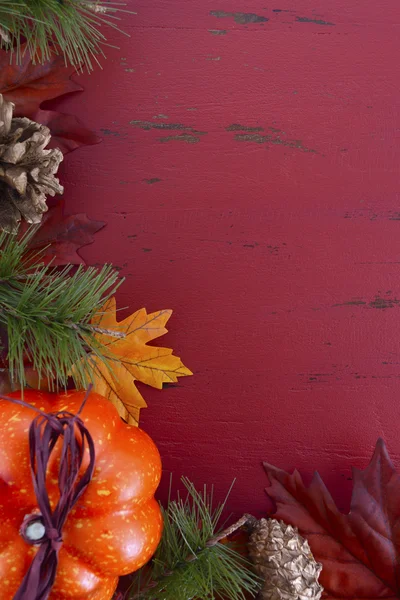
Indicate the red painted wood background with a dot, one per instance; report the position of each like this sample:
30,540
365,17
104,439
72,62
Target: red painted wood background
249,176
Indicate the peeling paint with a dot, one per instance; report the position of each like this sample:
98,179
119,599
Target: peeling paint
239,17
147,125
379,302
383,303
237,127
184,137
316,21
271,249
213,58
274,140
351,303
218,31
390,215
151,181
257,139
110,132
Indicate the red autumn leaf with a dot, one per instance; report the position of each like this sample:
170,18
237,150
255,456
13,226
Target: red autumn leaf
67,131
360,552
29,85
64,236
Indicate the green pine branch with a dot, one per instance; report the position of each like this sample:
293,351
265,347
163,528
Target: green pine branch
73,28
191,562
45,314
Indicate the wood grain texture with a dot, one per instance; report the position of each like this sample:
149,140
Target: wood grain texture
249,175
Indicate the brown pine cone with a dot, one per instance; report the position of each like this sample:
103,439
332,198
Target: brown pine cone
283,559
26,169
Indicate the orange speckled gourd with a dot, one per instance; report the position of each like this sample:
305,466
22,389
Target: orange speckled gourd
116,525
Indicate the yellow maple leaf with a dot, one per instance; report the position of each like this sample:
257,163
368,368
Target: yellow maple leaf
131,359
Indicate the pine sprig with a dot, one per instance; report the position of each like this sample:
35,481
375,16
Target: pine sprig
191,562
72,28
45,314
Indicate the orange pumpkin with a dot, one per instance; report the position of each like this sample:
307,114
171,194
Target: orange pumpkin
116,525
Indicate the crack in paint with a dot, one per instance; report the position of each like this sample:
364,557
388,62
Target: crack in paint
239,17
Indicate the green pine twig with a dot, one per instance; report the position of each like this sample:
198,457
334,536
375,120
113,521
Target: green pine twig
191,562
46,314
73,28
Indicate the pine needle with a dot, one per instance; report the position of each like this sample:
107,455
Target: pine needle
72,28
190,561
45,314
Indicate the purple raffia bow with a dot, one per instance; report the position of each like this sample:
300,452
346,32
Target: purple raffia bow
45,528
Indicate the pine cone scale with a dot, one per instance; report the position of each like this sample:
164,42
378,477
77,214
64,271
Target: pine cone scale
6,112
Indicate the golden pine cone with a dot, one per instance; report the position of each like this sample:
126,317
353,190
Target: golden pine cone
26,169
283,559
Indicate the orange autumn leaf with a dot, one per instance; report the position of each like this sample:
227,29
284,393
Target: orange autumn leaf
131,359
